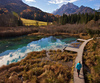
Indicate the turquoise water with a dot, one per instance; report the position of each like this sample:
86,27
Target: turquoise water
16,49
18,42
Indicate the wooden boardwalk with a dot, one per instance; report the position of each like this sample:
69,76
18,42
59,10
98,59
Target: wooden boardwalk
81,40
79,51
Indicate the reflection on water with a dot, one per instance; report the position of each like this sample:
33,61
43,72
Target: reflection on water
10,56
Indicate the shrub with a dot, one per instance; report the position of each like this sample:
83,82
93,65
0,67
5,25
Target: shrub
92,62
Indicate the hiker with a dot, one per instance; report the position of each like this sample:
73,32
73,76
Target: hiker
78,67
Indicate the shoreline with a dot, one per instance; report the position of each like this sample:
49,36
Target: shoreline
8,32
55,34
11,54
25,55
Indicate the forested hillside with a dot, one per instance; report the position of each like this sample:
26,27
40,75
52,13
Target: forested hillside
25,11
8,19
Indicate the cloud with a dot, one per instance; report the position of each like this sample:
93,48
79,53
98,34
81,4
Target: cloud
30,0
61,1
97,6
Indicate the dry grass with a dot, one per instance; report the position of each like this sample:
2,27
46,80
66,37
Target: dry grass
68,28
92,61
16,31
35,70
61,56
78,30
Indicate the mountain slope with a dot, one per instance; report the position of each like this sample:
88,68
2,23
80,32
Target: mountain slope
26,11
70,8
16,5
67,9
83,9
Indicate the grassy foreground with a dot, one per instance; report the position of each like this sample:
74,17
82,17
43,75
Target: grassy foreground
28,22
38,68
92,61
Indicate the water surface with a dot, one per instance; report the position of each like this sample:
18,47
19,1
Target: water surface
16,50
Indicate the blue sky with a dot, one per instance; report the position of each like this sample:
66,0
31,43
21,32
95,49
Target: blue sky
51,5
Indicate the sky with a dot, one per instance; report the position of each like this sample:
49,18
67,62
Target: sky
51,5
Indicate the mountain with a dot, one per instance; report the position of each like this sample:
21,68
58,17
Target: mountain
84,9
70,8
13,5
98,10
25,11
67,9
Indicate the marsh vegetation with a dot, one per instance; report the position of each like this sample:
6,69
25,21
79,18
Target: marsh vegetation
91,60
37,68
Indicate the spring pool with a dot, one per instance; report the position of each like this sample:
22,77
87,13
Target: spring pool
53,42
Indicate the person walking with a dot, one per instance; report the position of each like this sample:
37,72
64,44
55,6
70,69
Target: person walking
78,67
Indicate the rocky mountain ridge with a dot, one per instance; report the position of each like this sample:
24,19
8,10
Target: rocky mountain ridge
70,8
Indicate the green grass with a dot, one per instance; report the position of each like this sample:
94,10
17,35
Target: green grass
28,22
